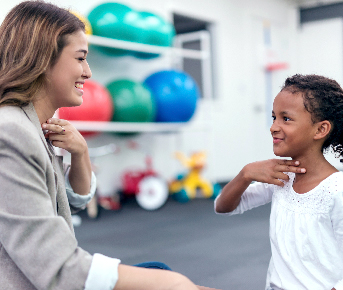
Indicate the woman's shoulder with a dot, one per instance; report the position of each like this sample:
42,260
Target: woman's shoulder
10,114
17,128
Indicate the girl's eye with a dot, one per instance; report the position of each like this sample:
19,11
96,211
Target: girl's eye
273,117
286,118
81,59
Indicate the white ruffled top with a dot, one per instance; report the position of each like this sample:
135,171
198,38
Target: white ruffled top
306,233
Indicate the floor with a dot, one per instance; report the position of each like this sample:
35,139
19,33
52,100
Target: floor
212,250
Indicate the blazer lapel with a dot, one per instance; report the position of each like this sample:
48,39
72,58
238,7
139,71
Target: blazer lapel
32,115
57,163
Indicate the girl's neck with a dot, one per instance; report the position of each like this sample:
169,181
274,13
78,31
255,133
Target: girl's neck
317,169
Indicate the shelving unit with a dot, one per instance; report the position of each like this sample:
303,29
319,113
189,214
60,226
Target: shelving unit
127,126
134,46
90,126
174,52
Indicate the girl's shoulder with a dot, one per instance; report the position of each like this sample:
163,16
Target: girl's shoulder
319,200
334,182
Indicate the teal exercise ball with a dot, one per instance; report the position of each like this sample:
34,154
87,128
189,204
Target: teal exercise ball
175,93
117,21
155,31
132,100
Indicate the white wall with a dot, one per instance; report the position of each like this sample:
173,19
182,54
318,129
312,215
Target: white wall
321,52
237,130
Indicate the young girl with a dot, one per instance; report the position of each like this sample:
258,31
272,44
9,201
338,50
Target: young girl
43,66
306,221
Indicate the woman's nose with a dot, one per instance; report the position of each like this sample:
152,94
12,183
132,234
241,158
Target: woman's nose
87,73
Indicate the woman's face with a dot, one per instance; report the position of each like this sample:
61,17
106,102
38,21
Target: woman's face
66,78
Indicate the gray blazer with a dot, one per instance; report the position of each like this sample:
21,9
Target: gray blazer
38,248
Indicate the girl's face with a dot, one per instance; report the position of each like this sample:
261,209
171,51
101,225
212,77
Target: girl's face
66,78
293,130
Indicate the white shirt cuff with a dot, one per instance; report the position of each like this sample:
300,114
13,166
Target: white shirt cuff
77,200
339,285
103,273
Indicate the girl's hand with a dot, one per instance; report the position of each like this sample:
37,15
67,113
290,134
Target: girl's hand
64,135
268,171
271,171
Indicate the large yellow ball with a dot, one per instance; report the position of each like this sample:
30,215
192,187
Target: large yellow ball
88,27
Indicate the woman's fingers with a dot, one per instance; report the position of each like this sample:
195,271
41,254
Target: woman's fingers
57,126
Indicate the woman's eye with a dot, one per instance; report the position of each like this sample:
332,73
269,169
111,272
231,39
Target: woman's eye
81,59
273,118
286,118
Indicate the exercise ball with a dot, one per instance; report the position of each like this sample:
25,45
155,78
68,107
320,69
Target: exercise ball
97,105
133,101
175,94
88,27
155,31
117,21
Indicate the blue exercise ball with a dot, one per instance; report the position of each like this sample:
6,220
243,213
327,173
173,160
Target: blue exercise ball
176,94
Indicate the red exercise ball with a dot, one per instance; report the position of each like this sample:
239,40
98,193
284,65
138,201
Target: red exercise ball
97,105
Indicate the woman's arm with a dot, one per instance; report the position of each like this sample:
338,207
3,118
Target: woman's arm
268,171
64,135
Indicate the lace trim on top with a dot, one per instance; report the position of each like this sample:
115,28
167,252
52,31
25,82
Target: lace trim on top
316,201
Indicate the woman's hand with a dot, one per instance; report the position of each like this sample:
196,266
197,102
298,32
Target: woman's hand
64,135
271,171
206,288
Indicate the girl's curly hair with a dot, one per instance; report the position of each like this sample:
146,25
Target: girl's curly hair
323,99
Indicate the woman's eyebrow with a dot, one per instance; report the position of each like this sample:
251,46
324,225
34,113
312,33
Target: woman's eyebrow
82,50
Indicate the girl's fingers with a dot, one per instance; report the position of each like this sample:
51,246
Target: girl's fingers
288,162
281,175
290,166
277,182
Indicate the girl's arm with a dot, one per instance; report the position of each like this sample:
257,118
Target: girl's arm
71,140
135,278
269,171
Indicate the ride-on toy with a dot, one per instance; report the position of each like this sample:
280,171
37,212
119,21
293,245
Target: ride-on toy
185,186
149,189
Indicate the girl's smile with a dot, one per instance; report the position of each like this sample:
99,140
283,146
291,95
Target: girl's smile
292,130
276,140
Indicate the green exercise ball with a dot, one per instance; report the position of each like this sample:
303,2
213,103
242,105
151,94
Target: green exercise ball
117,21
155,31
133,101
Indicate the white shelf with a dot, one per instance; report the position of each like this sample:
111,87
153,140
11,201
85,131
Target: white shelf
134,46
127,126
95,126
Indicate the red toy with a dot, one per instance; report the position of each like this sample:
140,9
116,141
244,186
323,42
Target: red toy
150,190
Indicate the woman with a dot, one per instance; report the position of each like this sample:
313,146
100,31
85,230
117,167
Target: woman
43,66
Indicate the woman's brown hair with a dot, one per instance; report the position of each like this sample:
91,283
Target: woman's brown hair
32,37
